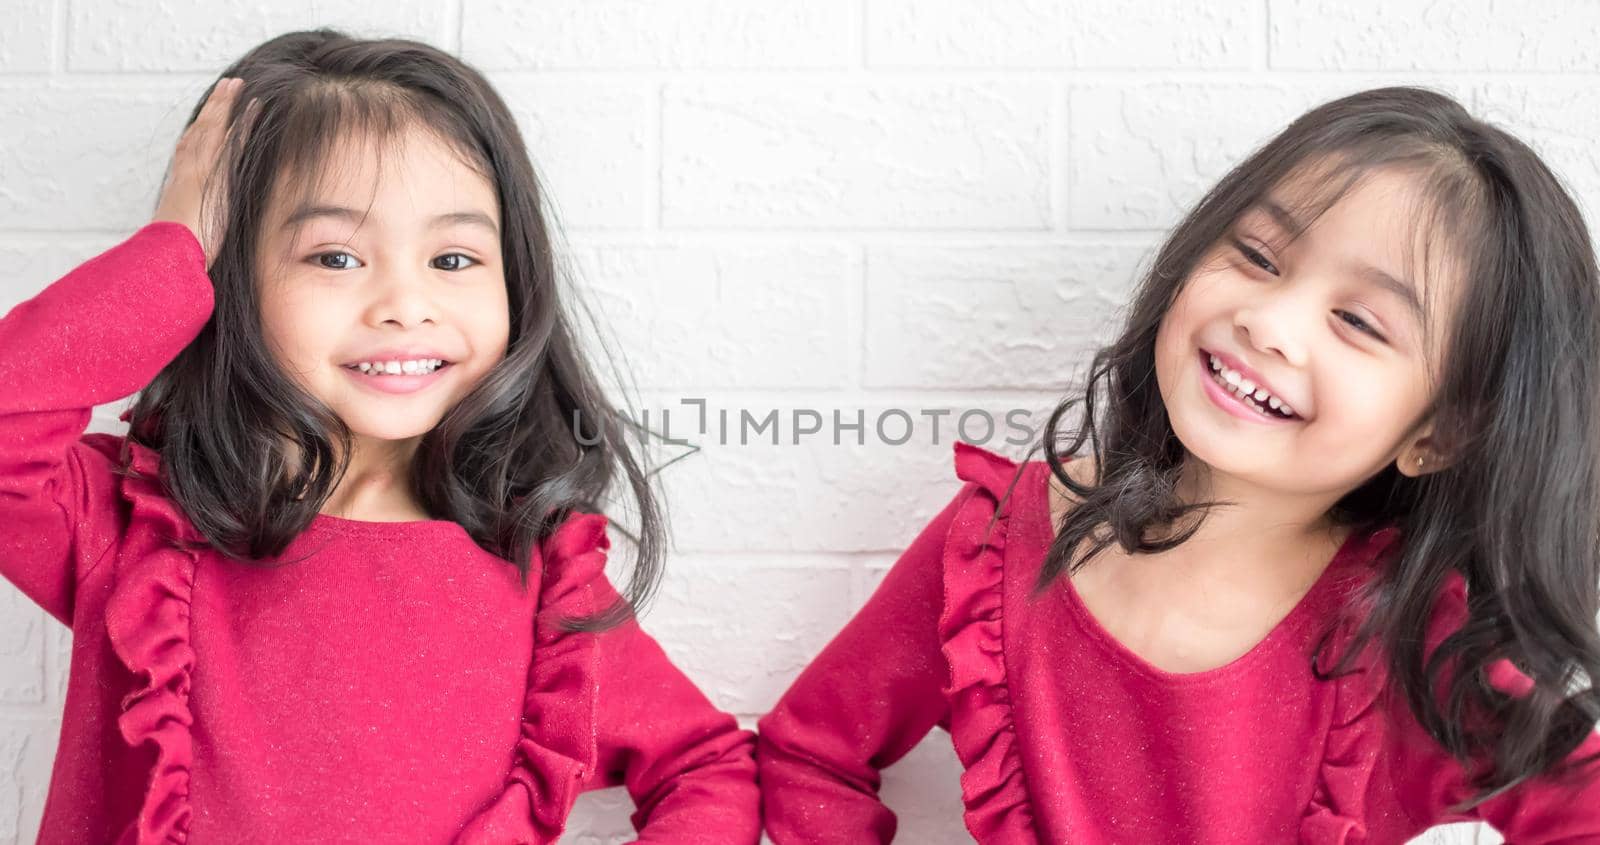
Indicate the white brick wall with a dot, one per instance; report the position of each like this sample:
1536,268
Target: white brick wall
829,204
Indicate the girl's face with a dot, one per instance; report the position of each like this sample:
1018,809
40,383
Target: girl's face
1331,324
419,279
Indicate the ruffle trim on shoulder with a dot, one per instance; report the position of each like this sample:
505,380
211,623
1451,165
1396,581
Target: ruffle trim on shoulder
1337,811
971,631
147,621
556,754
1353,749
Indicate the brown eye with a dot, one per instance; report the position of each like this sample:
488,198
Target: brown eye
458,265
1254,257
321,259
1359,324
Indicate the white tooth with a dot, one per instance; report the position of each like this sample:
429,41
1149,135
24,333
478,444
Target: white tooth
1262,394
1273,403
364,367
392,368
1230,377
1247,386
408,367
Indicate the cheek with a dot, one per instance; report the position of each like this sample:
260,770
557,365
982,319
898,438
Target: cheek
296,329
489,319
1373,406
1176,334
1206,289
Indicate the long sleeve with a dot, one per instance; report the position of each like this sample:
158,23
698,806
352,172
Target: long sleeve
1428,779
608,708
97,334
1542,811
689,768
871,695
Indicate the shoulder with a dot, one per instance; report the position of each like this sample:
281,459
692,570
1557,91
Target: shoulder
96,457
578,533
574,552
1448,612
996,476
993,474
108,446
991,471
571,571
978,554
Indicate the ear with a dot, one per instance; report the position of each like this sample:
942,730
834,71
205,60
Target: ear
1422,454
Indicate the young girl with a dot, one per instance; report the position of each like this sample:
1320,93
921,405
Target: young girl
1330,572
344,577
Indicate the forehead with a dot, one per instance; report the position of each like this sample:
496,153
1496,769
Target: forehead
412,173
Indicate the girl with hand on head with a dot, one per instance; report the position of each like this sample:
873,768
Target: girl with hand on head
1328,572
344,576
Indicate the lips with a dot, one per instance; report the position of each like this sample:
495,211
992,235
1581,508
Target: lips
397,384
1228,401
1255,378
398,353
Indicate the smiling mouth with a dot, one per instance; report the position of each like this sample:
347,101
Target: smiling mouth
1259,407
427,367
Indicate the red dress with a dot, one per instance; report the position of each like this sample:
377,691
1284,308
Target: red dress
392,682
1067,736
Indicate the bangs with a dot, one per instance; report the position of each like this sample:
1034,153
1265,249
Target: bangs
330,119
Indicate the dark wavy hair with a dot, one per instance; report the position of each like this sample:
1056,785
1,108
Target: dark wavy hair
251,457
1516,510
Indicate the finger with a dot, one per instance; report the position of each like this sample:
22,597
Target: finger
211,123
218,93
247,120
252,111
217,100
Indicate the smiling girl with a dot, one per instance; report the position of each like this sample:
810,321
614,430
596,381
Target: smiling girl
1330,570
344,578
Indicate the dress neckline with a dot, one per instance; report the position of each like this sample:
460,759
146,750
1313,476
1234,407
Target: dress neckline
1039,513
367,527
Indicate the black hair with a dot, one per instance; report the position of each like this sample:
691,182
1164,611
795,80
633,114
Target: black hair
1516,508
251,457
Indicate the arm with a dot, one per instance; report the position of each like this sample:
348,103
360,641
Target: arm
1535,812
688,767
867,699
96,335
1542,811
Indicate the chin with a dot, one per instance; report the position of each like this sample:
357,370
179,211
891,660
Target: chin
388,428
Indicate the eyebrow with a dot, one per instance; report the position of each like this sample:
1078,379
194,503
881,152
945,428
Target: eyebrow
1373,275
452,218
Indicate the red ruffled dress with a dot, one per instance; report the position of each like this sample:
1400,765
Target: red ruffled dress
1066,735
388,682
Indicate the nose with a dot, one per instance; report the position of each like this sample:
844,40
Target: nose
402,299
1278,322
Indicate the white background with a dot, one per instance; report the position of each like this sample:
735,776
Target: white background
830,204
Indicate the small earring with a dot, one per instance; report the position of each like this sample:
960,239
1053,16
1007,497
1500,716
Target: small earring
1419,460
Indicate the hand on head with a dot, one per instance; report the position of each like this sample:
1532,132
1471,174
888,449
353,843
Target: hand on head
184,197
